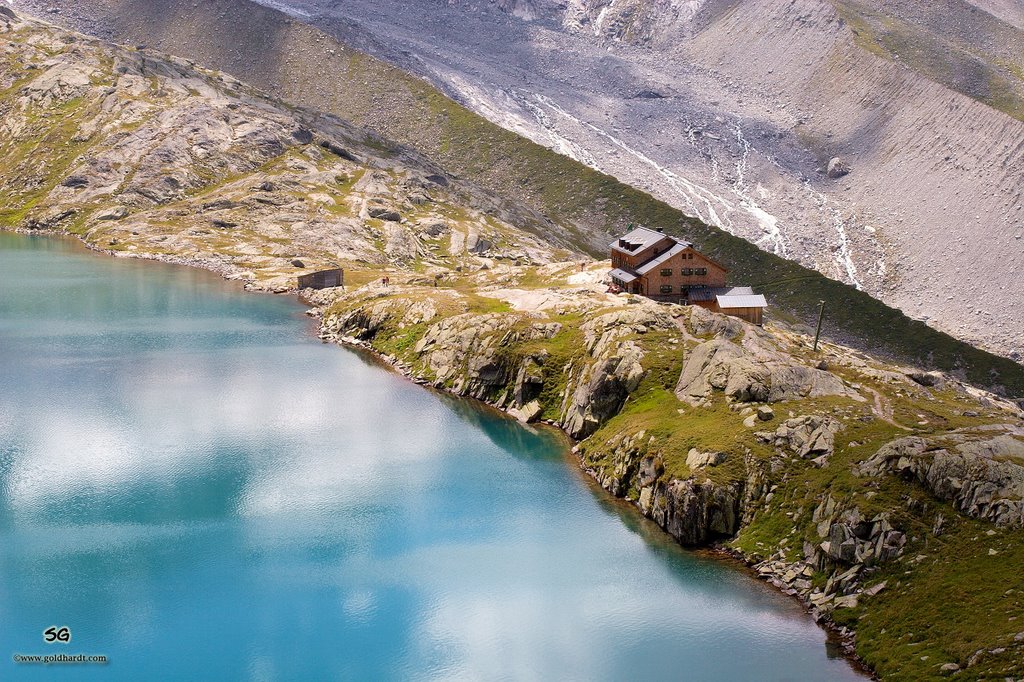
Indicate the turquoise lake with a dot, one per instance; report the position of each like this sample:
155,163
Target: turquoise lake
199,489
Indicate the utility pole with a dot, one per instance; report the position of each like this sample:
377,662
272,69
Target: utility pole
817,332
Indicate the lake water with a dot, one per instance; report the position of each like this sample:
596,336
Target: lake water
198,489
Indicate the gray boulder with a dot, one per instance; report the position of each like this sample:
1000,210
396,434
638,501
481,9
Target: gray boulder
400,243
722,365
981,477
808,436
837,168
112,213
386,214
695,459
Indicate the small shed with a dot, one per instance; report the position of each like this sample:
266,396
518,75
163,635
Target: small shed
747,307
323,279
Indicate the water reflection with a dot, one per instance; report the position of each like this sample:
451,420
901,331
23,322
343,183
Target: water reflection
201,492
504,432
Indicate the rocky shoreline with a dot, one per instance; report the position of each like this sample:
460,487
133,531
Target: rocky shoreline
502,360
774,573
638,387
224,270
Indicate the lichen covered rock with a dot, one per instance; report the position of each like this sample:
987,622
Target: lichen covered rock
981,477
742,376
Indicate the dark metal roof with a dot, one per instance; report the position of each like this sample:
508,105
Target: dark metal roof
639,240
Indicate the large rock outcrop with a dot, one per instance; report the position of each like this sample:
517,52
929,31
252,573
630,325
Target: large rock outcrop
613,369
981,477
725,366
364,322
694,510
810,436
849,538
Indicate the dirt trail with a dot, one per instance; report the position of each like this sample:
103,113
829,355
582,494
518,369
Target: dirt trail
882,408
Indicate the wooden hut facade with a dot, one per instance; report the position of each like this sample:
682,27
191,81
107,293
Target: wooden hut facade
652,264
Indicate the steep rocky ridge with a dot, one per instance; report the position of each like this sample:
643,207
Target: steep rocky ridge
275,51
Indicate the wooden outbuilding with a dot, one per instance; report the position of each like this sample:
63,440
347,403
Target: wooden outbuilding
747,307
323,279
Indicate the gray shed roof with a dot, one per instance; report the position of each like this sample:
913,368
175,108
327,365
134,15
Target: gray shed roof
711,293
622,275
748,301
655,262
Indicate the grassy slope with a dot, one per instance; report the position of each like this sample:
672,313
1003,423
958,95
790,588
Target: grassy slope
947,44
302,65
947,598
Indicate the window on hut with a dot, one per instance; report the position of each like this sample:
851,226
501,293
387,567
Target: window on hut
666,288
666,272
686,272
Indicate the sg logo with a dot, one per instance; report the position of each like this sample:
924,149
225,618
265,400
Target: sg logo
54,634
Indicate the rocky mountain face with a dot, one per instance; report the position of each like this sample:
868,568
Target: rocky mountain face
146,155
879,143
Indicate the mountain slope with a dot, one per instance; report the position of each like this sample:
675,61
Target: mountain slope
145,155
732,111
306,66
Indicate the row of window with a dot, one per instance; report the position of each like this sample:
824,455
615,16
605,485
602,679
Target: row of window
668,289
685,272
